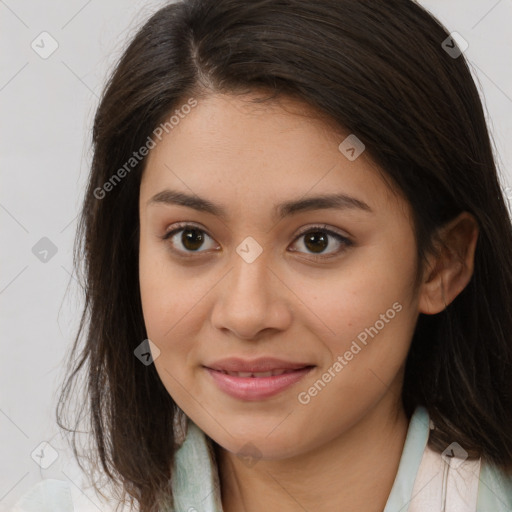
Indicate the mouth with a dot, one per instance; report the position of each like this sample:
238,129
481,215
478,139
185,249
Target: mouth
253,386
270,373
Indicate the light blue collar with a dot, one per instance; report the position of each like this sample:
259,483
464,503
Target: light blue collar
415,443
195,481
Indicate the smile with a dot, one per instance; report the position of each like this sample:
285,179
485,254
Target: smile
256,385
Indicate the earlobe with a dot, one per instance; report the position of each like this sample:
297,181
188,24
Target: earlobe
449,271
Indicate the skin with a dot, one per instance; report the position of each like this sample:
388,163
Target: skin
341,450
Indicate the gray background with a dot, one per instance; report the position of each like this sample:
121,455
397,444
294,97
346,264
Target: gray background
47,107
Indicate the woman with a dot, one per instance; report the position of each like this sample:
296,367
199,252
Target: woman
232,365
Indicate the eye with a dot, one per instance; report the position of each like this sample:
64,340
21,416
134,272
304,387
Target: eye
192,237
316,239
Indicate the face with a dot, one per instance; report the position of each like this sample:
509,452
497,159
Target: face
329,287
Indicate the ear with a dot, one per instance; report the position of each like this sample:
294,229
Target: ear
448,272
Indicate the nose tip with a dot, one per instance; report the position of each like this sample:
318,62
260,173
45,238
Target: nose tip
249,304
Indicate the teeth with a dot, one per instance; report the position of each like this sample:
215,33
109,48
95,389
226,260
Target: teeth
257,374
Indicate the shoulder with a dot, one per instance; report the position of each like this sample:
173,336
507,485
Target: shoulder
452,480
45,496
52,495
494,490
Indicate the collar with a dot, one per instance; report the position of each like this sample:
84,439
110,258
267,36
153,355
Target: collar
195,480
412,454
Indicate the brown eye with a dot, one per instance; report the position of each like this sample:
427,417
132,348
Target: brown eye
187,239
318,239
191,240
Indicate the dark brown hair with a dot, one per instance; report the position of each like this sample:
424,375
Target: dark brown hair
377,69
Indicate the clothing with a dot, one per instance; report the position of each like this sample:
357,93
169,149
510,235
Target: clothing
426,481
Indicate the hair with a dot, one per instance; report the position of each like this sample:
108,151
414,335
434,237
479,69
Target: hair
376,69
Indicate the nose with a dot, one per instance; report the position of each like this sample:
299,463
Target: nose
251,299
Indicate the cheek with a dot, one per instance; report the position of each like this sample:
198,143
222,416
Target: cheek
172,296
168,298
367,322
161,290
365,312
353,298
153,292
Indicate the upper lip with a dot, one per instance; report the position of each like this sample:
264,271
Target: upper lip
264,364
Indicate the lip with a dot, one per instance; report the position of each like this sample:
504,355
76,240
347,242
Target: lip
262,364
256,388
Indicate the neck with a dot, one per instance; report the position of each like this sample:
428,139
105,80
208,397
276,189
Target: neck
354,471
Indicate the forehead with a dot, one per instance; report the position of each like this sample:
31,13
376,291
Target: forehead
231,148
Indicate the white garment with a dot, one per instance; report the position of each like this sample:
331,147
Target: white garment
445,484
425,481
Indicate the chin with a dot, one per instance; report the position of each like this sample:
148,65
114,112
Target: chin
258,444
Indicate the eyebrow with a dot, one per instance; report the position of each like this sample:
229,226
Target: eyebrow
282,210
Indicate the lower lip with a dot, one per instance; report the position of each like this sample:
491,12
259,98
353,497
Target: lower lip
256,388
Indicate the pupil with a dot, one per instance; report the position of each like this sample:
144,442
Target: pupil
190,241
315,237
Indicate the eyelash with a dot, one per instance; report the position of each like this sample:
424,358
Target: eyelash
340,238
